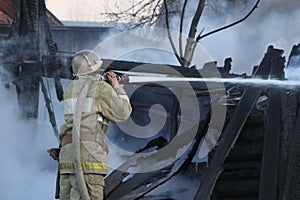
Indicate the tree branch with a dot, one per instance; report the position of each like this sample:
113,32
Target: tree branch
181,28
194,47
169,33
230,25
191,37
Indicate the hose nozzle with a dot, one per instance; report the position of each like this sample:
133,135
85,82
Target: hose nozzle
122,79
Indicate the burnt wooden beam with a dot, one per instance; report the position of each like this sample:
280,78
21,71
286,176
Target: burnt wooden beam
236,165
252,150
270,162
289,101
227,141
269,170
265,67
30,40
237,189
292,185
235,125
239,174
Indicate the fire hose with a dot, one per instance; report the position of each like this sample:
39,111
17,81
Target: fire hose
76,139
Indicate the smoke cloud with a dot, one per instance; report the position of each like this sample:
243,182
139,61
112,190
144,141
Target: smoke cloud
27,172
274,22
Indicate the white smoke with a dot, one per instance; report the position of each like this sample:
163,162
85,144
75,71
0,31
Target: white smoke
274,22
26,171
292,72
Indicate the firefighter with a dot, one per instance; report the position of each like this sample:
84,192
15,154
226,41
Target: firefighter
104,102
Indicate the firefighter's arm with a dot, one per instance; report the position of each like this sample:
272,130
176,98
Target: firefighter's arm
114,103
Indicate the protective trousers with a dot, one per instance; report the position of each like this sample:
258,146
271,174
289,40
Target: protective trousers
69,188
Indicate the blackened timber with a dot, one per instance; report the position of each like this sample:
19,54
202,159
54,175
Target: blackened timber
235,125
270,162
227,141
27,80
252,136
236,189
277,69
269,171
32,33
239,174
28,96
52,49
252,150
292,186
237,168
236,165
264,68
27,86
289,115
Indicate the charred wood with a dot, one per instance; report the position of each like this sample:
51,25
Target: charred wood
270,162
245,165
246,151
235,125
238,188
292,186
239,175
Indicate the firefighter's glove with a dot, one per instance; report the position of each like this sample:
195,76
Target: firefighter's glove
112,79
54,153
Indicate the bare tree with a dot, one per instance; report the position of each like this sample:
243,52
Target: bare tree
140,13
149,13
185,57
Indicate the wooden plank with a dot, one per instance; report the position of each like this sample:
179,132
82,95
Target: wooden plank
292,187
227,141
270,162
269,171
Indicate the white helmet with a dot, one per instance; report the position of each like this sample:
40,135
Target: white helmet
85,62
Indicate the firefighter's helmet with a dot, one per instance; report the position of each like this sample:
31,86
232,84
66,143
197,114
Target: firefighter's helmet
85,62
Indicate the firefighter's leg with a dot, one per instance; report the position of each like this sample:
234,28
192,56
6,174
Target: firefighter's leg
74,192
65,187
95,184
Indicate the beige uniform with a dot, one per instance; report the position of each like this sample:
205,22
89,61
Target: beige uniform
102,104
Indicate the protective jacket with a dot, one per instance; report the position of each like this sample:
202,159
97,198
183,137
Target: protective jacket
102,104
